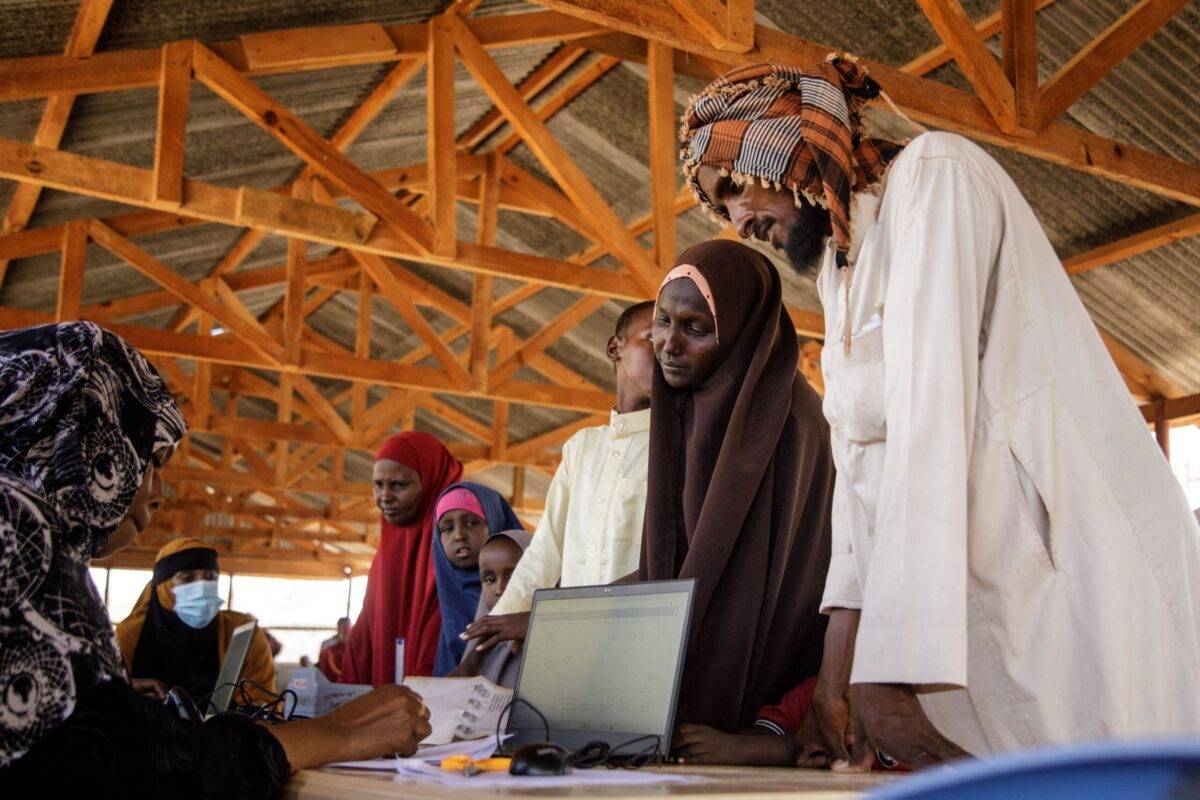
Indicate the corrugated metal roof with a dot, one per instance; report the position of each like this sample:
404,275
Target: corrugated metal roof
1149,302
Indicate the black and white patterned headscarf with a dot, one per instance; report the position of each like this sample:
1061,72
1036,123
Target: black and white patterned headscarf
81,414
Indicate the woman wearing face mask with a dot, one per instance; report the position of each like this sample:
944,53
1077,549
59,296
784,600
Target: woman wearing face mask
86,428
177,635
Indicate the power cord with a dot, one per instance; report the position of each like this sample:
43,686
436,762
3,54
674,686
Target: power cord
272,711
597,753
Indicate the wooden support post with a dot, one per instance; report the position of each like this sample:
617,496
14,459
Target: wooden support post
294,293
439,139
362,349
283,414
1162,428
1019,49
174,93
660,63
202,393
518,487
481,293
499,430
70,276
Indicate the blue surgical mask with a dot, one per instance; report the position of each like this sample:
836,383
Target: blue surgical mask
197,602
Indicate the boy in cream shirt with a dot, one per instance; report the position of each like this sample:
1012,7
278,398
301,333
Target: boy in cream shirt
591,531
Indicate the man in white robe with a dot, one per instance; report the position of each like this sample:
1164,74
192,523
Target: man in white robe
1014,563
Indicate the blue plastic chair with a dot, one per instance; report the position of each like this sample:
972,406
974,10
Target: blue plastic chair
1155,770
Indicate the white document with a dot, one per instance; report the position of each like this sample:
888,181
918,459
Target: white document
417,770
477,750
461,708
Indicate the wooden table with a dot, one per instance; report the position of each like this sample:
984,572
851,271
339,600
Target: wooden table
726,783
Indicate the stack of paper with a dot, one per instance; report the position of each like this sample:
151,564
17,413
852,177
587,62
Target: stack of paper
461,708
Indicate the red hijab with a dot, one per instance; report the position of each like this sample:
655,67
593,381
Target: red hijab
401,599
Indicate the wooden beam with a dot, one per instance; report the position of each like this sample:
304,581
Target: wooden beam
553,156
129,185
1176,410
1130,246
725,24
550,106
70,276
164,276
664,158
481,290
1075,78
89,22
988,27
926,101
391,289
546,73
170,144
499,430
1019,51
974,59
439,93
1137,370
297,136
295,290
296,50
546,336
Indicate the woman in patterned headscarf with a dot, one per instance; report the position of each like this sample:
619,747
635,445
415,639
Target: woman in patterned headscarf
86,426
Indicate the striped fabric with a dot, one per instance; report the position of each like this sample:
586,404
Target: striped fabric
788,126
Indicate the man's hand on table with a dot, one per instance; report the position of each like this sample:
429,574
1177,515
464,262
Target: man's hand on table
827,737
492,630
892,719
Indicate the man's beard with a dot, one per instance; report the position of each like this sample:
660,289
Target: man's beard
806,238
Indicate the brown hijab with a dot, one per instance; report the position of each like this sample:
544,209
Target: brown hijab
739,496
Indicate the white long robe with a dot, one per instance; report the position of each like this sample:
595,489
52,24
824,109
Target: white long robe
1018,545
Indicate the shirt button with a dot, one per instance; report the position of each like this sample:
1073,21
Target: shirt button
615,453
621,426
600,498
593,547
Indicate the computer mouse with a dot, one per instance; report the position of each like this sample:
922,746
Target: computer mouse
539,758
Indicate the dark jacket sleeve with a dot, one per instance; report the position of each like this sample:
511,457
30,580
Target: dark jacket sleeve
118,744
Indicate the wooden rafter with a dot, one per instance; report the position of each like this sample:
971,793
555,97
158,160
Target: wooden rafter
926,101
89,21
321,388
1103,53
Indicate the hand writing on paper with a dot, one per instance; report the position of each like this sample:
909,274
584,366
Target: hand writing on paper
492,630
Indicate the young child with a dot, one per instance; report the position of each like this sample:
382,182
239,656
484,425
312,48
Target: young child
497,560
591,531
465,515
771,742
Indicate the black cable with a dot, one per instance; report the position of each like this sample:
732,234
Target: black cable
597,753
530,706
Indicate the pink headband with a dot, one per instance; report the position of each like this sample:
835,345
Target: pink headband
694,275
459,499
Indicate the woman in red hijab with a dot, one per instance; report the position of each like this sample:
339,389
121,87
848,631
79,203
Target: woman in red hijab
410,473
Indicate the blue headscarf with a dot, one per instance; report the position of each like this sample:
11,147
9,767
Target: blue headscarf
458,589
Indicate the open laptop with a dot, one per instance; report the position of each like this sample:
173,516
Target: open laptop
602,663
231,668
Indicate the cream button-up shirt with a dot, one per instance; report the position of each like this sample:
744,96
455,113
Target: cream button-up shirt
591,530
1017,544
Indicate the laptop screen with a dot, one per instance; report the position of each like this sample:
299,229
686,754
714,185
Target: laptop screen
231,668
606,663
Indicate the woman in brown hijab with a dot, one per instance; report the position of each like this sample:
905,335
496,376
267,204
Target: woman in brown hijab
740,486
